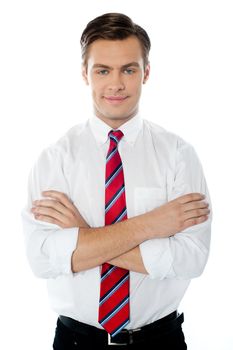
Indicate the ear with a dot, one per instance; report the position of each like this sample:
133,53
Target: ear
84,74
146,73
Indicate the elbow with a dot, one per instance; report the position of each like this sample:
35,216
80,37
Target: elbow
49,252
200,264
190,253
39,272
193,267
40,264
41,268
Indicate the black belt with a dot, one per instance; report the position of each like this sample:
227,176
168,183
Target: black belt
156,329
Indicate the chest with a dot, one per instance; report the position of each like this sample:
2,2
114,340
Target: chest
147,176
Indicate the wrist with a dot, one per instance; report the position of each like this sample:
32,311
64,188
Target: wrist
151,225
142,227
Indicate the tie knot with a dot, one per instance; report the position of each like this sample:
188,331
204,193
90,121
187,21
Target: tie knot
116,135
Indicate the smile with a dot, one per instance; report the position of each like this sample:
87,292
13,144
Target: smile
115,99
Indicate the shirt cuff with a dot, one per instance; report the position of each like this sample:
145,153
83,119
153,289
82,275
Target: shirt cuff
156,256
59,246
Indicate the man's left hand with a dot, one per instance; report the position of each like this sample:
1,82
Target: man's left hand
58,209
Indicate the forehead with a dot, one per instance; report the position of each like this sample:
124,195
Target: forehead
115,52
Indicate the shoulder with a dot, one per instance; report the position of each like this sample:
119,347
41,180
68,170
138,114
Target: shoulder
163,137
72,138
66,145
172,149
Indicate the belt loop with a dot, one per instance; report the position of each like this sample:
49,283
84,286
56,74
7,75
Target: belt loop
130,336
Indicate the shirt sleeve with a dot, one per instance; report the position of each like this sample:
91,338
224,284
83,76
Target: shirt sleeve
184,255
49,248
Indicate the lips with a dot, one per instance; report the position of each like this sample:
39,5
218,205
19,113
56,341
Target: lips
115,99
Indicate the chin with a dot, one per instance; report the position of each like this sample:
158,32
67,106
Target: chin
117,117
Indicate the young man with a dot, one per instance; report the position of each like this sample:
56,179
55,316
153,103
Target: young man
118,216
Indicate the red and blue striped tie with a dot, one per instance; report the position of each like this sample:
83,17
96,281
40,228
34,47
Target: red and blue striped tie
114,286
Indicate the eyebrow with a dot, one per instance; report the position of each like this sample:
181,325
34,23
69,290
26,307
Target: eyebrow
131,64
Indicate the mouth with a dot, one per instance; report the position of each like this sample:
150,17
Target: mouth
115,99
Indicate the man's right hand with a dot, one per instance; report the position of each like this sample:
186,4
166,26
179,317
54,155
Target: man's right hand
176,215
119,242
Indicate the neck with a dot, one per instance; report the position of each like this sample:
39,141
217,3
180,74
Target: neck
117,122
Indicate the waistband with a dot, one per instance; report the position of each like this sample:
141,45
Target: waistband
158,328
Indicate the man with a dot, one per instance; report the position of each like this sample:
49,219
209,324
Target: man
118,215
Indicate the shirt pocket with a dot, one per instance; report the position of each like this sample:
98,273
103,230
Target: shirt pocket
148,198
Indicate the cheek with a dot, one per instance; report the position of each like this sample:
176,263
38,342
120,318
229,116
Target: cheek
135,84
97,87
96,95
135,88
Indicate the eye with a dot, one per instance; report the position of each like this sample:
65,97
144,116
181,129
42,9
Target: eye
103,72
129,71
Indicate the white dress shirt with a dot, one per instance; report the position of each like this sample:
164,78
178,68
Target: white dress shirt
158,167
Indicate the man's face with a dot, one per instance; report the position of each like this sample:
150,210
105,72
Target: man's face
115,73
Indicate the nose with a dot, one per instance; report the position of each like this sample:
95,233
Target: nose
116,83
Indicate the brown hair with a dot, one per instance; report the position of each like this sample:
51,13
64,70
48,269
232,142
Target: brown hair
113,26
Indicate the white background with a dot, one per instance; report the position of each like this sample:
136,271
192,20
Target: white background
42,95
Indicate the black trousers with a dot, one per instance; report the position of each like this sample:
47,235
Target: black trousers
66,339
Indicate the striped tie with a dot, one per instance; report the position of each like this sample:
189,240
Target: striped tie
114,286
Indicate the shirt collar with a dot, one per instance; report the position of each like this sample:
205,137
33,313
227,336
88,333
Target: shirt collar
130,129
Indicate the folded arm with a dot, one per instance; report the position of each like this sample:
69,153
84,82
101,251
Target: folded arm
119,243
169,241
